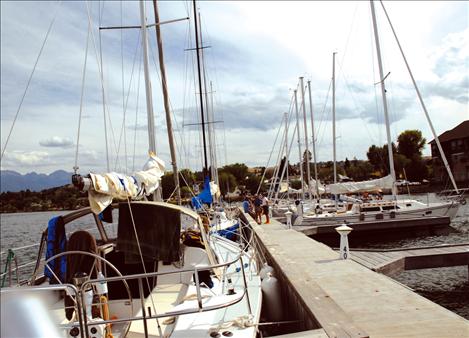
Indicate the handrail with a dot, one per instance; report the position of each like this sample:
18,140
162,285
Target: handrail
199,308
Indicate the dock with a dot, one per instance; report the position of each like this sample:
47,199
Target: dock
426,223
343,297
391,262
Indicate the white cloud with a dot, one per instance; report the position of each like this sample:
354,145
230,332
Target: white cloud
19,159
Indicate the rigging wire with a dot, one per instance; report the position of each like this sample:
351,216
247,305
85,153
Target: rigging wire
122,134
100,68
136,112
123,86
75,168
101,13
30,78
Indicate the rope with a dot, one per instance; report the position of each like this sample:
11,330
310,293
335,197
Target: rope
75,167
30,78
241,322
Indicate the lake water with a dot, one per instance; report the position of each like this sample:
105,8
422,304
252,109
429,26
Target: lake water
448,287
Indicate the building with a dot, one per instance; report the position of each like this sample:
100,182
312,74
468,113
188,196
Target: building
455,144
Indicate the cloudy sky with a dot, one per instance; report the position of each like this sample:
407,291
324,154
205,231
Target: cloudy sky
256,51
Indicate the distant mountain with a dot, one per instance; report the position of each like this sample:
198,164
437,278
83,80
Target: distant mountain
13,181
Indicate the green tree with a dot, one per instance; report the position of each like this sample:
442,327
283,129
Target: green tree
410,146
238,170
410,143
227,182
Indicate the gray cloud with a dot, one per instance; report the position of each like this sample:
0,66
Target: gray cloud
57,142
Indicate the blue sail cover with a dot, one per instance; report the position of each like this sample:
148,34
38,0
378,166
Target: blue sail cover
205,195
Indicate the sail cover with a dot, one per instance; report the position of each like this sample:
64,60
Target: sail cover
106,187
363,186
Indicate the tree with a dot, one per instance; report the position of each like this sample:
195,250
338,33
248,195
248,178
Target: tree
252,183
238,170
227,182
410,146
410,143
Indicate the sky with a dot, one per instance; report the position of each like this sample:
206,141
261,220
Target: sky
255,53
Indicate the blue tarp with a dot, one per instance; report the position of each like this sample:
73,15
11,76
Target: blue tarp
56,243
205,195
230,232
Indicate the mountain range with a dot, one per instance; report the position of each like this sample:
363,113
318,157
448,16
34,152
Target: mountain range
13,181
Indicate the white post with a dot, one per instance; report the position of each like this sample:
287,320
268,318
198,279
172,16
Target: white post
344,230
288,215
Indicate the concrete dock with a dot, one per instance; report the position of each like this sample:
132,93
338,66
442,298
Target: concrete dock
344,298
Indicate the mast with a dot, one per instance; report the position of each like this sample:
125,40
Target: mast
209,120
212,133
303,101
169,124
287,155
385,104
313,139
299,145
150,116
197,48
435,135
333,117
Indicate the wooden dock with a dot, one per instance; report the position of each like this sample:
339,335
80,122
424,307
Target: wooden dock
390,262
345,298
372,226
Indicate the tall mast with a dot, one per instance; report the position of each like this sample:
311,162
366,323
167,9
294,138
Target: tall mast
299,144
207,109
435,136
287,155
169,124
385,104
303,101
313,139
333,118
212,133
197,48
150,116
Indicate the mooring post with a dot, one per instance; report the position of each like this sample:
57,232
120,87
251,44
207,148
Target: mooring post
344,230
288,215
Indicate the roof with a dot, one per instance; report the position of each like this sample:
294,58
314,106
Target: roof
458,132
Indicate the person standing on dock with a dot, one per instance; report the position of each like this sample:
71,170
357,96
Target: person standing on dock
258,208
265,208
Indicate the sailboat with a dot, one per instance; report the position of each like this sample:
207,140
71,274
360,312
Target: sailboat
381,209
163,275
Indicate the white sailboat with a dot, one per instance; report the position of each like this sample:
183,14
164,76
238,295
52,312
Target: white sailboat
164,275
380,209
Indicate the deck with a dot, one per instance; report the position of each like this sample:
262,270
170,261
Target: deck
381,225
390,262
345,298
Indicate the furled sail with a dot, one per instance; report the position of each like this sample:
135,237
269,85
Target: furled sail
103,188
363,186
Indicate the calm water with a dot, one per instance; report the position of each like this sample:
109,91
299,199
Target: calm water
448,287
